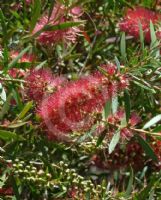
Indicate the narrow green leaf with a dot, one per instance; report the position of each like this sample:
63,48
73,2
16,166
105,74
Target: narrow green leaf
41,65
88,196
114,104
123,46
107,110
151,195
123,122
127,104
51,8
153,121
157,129
5,57
6,106
144,86
2,93
17,98
141,33
8,135
61,26
130,184
35,13
102,71
101,138
27,107
152,34
16,125
148,150
117,63
4,28
87,135
144,194
14,61
114,141
15,188
3,179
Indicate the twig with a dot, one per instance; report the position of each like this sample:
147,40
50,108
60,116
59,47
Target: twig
117,39
12,80
145,132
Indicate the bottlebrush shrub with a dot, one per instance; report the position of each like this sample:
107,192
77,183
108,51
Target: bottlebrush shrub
72,108
60,14
130,23
40,83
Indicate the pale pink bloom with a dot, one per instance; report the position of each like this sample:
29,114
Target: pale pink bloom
25,58
60,14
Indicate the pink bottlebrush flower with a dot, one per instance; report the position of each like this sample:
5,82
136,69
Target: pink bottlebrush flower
134,119
126,133
111,69
60,14
77,11
28,2
72,107
42,82
116,119
124,82
118,116
24,58
130,23
17,73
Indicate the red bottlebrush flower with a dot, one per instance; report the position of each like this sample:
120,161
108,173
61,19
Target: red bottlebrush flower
72,192
6,191
130,23
24,58
131,154
41,82
60,14
156,145
72,107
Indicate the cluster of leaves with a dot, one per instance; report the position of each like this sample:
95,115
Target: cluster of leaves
34,167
